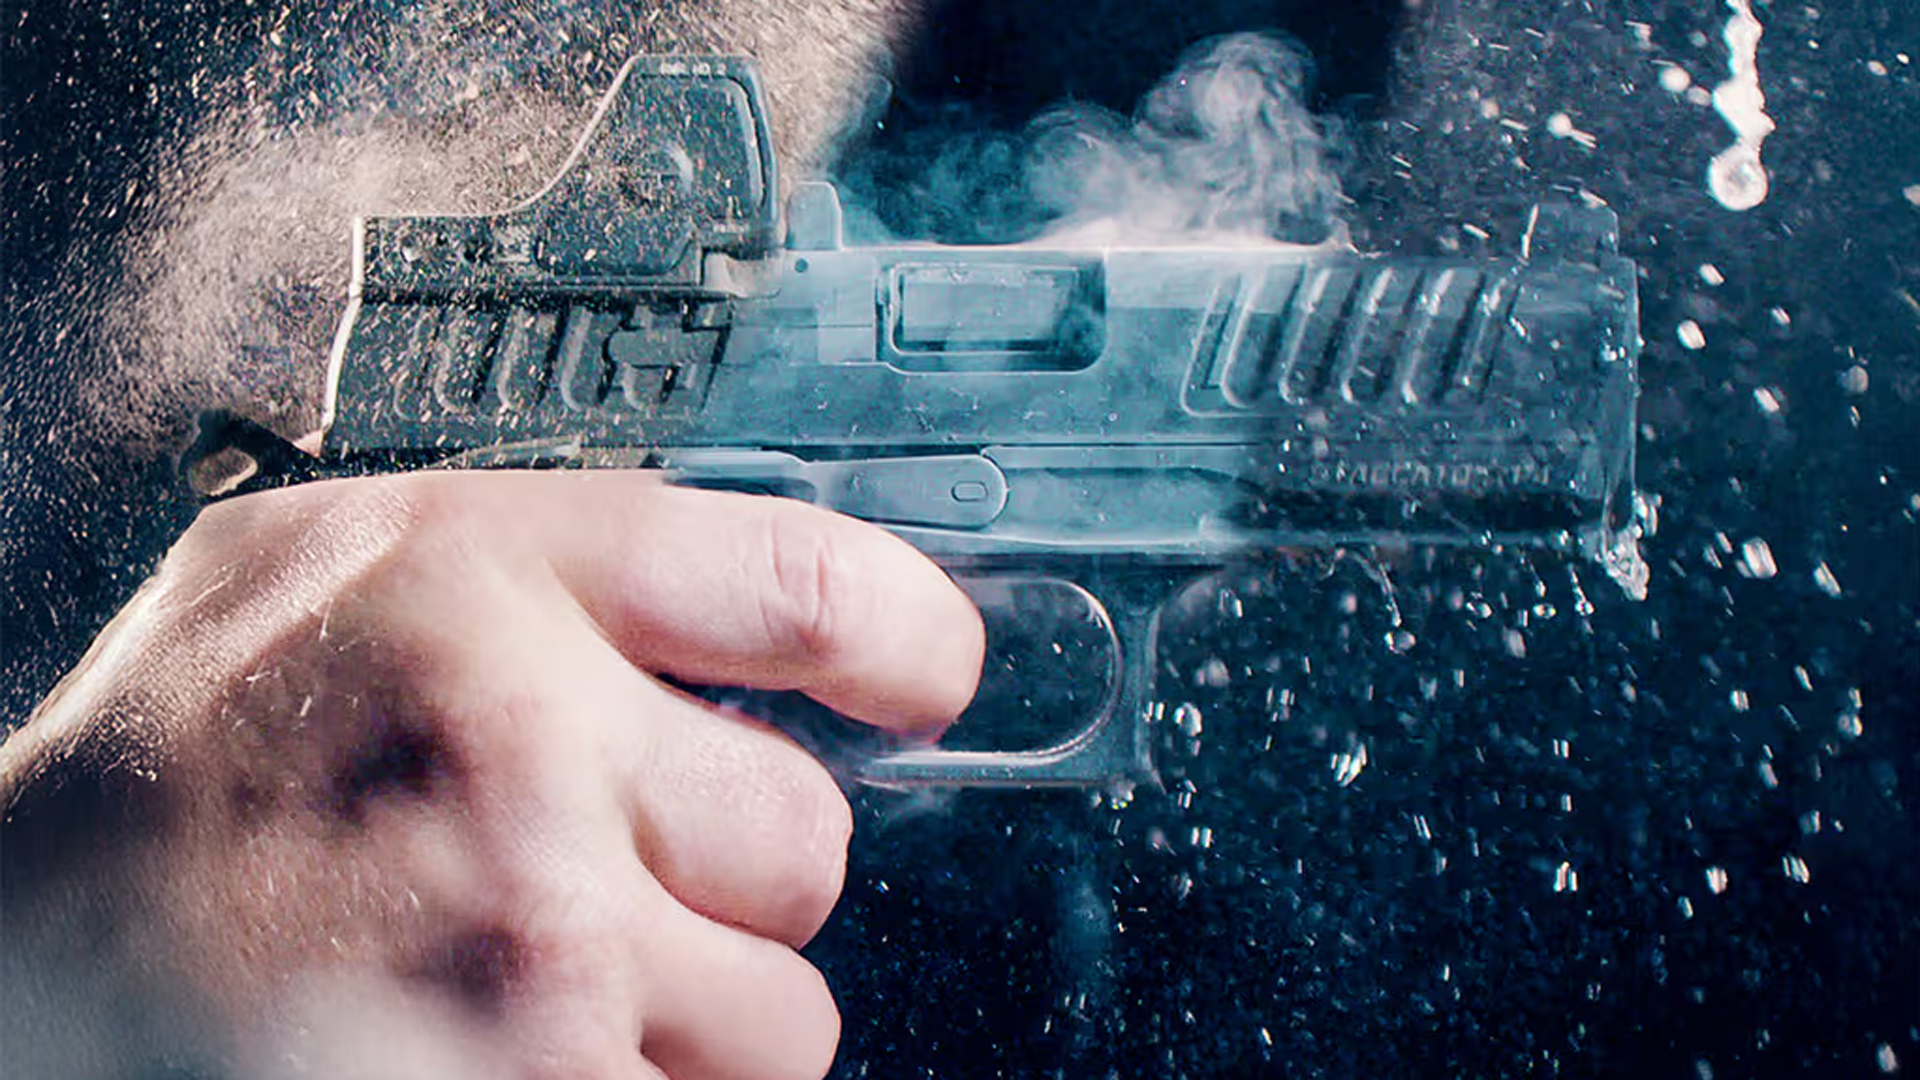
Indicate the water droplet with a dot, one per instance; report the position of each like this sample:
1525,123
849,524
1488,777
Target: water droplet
1347,767
1738,699
1566,878
1581,605
1883,1056
1187,718
1796,869
1854,380
1646,512
1716,880
1711,274
1736,177
1823,577
1400,641
1756,560
1515,642
1691,336
1769,400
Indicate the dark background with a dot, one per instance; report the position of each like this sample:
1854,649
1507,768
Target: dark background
1257,917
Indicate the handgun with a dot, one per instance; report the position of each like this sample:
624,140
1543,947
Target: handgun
1098,421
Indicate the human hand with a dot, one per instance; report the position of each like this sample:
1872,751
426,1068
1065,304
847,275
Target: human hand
378,773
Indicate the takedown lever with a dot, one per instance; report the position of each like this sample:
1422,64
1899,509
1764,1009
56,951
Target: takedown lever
962,491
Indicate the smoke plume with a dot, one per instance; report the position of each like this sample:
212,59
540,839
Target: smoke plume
1223,150
1224,147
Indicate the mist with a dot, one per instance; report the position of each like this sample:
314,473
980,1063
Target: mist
221,284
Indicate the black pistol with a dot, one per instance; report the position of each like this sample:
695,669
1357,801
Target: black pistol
1099,421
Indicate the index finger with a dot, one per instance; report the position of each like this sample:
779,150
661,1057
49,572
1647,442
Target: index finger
765,592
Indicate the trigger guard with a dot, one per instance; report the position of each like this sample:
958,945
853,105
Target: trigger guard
1111,747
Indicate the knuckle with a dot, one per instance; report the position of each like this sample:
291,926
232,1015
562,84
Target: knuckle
814,1059
443,533
393,759
812,581
822,824
479,969
813,821
537,933
435,504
